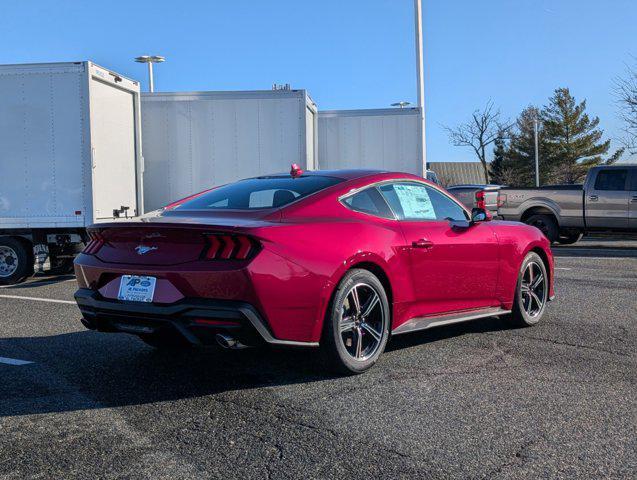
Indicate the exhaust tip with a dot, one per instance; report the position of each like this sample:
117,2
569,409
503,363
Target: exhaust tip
87,323
225,341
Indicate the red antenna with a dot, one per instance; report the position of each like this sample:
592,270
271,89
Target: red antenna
295,171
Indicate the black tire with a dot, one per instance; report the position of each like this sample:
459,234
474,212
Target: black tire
569,238
546,224
16,262
521,314
356,349
165,340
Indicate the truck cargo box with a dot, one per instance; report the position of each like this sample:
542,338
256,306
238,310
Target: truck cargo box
376,138
194,141
69,145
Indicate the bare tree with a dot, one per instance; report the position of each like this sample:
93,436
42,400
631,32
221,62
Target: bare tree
479,132
626,92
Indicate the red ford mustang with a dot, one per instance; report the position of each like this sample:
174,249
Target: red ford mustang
339,260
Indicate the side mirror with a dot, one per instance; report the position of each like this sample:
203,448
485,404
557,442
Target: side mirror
480,215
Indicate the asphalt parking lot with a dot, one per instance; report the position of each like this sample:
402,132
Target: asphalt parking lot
476,400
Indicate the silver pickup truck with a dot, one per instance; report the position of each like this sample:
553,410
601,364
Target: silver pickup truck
606,202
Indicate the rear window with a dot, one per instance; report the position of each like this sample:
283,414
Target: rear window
256,193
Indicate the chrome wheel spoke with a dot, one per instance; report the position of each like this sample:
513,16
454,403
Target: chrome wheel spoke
370,304
369,329
357,302
538,302
347,324
537,282
359,342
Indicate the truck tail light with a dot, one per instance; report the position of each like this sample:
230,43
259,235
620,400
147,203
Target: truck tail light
502,199
96,241
480,203
229,247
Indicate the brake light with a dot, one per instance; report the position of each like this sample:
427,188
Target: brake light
480,203
502,199
229,247
96,241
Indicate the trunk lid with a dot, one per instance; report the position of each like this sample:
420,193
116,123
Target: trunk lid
165,240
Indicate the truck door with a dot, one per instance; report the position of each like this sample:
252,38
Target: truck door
113,150
632,214
607,198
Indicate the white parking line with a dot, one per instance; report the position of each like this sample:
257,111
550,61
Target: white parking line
35,299
563,268
13,361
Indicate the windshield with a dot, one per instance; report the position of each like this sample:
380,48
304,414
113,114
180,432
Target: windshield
262,192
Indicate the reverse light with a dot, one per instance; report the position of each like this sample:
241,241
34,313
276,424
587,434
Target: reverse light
229,247
96,241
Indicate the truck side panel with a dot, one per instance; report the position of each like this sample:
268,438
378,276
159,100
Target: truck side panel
565,204
194,141
382,138
41,139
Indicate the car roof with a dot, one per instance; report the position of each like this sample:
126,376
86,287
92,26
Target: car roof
346,174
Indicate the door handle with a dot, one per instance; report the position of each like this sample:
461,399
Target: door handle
422,243
593,198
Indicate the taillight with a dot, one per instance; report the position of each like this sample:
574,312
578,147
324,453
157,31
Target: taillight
502,199
480,203
229,247
96,241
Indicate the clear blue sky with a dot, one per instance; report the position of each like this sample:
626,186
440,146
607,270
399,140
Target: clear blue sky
348,53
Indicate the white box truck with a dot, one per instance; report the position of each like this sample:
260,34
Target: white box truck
194,141
385,138
70,156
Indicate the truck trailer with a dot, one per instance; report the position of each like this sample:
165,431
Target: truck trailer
197,140
70,156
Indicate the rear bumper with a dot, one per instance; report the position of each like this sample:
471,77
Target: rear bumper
197,320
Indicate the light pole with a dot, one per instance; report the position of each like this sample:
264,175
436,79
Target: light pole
537,153
401,104
150,59
420,83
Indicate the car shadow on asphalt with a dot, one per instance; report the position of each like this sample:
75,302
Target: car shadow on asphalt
89,370
39,281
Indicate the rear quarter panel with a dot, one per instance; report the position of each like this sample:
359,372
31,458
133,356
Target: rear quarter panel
306,258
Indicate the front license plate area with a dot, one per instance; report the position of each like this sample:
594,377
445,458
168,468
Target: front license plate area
137,288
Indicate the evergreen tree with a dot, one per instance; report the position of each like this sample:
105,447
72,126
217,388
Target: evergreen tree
572,139
497,165
520,157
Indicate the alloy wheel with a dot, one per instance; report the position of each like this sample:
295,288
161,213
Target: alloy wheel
362,321
8,261
533,289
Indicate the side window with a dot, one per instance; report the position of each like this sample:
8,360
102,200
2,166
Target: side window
414,201
410,201
446,208
369,201
611,180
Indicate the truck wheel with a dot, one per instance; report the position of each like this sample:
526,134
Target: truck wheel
546,224
569,238
15,264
